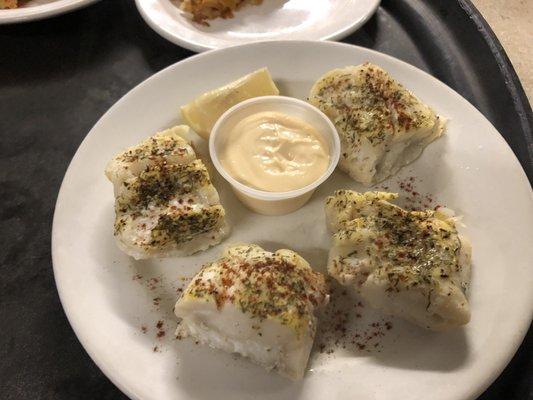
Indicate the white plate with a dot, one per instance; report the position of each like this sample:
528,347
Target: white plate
272,20
40,9
470,169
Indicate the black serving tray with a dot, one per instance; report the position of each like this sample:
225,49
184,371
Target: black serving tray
59,76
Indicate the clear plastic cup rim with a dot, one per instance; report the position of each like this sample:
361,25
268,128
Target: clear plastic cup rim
328,131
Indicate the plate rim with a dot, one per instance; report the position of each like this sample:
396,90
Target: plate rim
473,392
41,11
199,47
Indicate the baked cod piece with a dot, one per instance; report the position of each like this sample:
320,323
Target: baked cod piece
382,126
258,304
413,264
165,204
170,146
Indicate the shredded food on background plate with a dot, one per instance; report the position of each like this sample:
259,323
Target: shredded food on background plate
8,4
203,10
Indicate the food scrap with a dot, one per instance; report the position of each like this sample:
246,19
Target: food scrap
204,10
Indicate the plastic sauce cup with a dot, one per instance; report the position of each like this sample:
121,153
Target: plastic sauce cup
261,201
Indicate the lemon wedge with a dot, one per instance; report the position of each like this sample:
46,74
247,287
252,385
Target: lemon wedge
202,113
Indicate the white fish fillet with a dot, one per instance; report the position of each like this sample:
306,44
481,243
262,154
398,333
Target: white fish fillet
170,145
382,126
258,304
165,204
413,264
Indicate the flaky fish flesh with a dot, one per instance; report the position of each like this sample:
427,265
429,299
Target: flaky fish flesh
258,304
165,204
413,264
382,126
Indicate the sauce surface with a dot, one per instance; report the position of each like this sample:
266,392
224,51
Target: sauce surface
275,152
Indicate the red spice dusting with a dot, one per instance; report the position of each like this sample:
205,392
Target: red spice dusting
413,199
227,281
160,331
153,283
339,328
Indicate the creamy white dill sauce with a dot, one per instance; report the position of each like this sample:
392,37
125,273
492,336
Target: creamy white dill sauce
275,152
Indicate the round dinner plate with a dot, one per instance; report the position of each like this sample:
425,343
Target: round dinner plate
39,9
121,309
272,20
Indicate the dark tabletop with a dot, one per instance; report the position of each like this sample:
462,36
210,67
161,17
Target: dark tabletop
59,76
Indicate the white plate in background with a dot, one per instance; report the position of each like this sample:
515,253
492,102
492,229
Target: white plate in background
31,10
272,20
470,169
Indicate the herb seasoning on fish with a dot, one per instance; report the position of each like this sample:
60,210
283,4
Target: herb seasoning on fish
382,126
411,263
258,304
165,204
